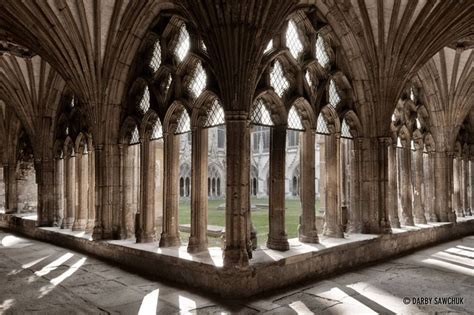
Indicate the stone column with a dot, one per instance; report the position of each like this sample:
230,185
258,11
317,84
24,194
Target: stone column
128,215
98,231
428,180
449,168
471,184
199,154
59,191
456,198
465,186
82,171
44,173
392,193
91,199
405,183
11,194
417,180
170,233
382,200
237,234
307,227
277,237
332,224
322,173
441,186
70,180
146,231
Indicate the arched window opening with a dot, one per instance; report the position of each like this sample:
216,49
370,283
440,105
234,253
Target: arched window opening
334,97
321,52
260,115
135,136
183,45
187,187
181,187
321,126
218,188
345,130
157,131
156,57
293,139
278,80
145,101
198,81
294,120
293,41
215,115
184,123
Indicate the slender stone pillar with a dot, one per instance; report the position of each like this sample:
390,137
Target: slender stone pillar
428,180
128,171
44,169
332,224
405,183
70,180
392,195
82,171
146,231
355,213
91,199
98,231
59,191
170,233
237,234
199,152
277,237
465,185
11,192
449,168
441,186
322,173
307,228
417,180
456,198
471,184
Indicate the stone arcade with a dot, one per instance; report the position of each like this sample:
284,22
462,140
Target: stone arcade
237,139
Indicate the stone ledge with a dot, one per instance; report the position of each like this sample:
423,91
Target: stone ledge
263,274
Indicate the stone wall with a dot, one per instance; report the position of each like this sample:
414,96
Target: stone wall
2,190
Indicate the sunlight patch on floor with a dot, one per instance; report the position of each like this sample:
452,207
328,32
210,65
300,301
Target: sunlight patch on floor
149,303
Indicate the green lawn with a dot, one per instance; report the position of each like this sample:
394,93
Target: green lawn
259,218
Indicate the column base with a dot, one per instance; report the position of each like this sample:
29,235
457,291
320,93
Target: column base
100,233
420,220
196,245
407,220
90,226
67,223
169,240
468,212
395,223
236,257
79,225
431,217
310,239
460,213
278,243
333,231
354,227
143,237
452,217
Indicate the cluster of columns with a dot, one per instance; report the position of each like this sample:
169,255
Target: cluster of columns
74,190
427,186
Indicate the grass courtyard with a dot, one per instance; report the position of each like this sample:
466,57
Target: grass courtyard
259,217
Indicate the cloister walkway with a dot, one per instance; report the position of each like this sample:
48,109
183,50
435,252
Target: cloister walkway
40,277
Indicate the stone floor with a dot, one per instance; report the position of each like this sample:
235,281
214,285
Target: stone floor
37,277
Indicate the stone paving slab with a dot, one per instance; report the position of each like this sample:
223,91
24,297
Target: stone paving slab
88,285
